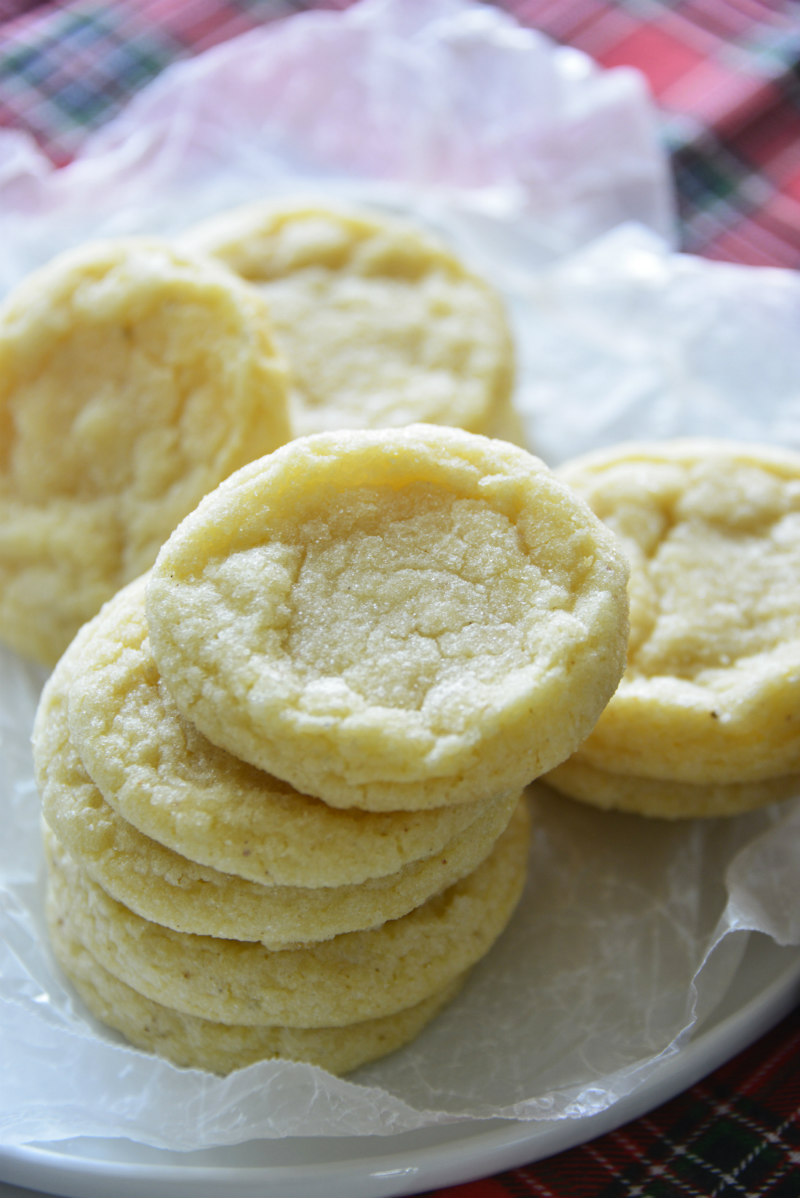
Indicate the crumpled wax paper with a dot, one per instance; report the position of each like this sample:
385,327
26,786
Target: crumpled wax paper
547,174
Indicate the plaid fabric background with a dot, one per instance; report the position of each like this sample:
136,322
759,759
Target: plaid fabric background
68,68
734,1135
726,75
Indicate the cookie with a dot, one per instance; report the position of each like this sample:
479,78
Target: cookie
351,978
133,378
162,886
166,779
195,1043
381,323
711,690
392,619
664,799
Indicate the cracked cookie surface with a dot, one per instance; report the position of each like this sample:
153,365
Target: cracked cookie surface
133,378
160,774
392,619
711,690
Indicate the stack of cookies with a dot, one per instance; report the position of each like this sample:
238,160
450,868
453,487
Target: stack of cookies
281,773
706,718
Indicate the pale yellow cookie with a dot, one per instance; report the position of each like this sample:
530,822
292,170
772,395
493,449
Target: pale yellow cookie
221,1048
162,886
353,977
133,378
711,691
659,797
392,619
163,777
381,323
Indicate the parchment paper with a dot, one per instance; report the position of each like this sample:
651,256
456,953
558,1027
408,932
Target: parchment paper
549,178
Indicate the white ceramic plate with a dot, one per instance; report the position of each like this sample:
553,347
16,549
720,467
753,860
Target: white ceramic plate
765,988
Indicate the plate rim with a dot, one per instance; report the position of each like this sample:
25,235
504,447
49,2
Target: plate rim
486,1147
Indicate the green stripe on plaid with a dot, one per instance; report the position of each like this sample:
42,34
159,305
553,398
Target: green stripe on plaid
77,72
65,70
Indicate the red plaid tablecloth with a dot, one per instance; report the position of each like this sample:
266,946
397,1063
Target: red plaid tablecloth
726,75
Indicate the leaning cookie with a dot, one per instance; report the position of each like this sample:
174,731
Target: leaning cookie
381,323
392,619
163,777
711,691
664,799
351,978
195,1043
133,378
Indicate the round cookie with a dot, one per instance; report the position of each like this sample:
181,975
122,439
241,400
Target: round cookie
381,324
158,884
659,797
196,1043
353,977
392,619
166,779
711,690
133,378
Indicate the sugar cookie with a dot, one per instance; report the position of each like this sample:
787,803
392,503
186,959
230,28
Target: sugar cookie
196,1043
160,885
665,799
711,692
382,325
392,619
353,977
133,378
166,779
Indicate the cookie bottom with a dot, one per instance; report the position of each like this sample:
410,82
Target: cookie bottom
666,799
